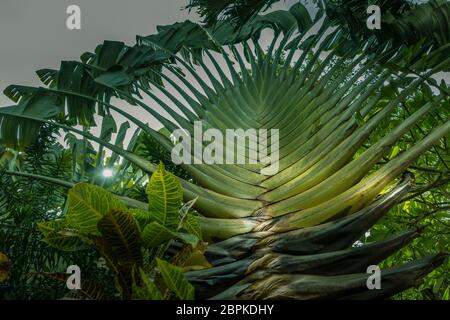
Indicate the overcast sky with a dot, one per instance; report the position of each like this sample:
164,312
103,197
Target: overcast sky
33,33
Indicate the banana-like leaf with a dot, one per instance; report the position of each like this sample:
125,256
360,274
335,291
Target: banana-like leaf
182,34
108,128
242,11
18,134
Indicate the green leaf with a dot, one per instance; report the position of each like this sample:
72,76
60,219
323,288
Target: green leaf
121,237
188,238
18,133
156,234
57,235
192,225
108,128
148,290
87,205
121,135
142,217
165,197
446,295
6,158
178,35
302,16
437,285
394,153
73,77
114,78
175,280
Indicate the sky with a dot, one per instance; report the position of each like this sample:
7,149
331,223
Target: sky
33,33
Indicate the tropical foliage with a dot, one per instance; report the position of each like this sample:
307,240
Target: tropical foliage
130,241
363,131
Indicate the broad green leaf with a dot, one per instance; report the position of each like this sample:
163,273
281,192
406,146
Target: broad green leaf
73,77
148,290
87,205
114,79
142,217
280,19
156,234
188,238
57,235
121,134
121,237
394,153
108,128
192,225
181,34
165,196
175,280
18,133
302,16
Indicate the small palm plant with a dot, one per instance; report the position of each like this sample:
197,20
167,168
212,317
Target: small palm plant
289,235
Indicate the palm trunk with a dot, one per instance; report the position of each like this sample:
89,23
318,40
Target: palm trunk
312,263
